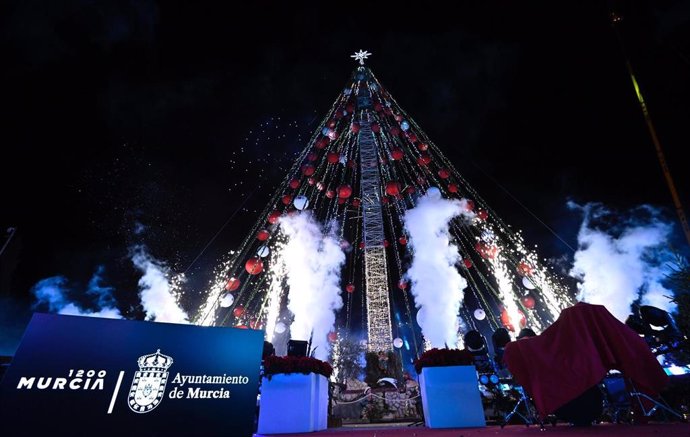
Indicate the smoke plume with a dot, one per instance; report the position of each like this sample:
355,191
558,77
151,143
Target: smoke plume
621,259
58,295
156,291
435,282
313,259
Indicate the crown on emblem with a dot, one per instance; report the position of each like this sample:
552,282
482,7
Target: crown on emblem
154,362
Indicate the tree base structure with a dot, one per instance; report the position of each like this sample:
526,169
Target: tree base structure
450,397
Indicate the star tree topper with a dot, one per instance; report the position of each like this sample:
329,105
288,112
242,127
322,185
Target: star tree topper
361,56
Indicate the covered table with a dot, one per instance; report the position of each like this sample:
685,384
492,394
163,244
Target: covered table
576,352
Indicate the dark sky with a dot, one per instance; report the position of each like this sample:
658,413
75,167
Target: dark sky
171,115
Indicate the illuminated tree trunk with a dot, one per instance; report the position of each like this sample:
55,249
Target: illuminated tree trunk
376,273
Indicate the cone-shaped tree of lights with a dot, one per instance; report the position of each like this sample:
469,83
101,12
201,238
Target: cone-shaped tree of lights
366,165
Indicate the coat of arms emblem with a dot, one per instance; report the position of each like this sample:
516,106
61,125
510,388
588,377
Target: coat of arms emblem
148,385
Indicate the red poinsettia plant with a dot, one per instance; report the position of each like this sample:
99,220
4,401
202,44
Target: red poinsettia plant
444,357
274,365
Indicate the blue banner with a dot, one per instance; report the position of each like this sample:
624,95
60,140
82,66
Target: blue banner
88,376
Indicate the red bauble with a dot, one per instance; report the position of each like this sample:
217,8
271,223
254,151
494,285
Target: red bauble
423,147
467,262
524,269
333,157
486,251
331,124
469,205
354,128
361,245
254,265
233,284
528,301
341,200
386,243
424,159
410,190
350,108
322,142
402,284
350,288
263,235
452,188
287,199
344,191
411,136
443,173
397,117
392,188
402,241
356,202
375,128
397,154
238,311
294,183
508,323
311,181
308,169
312,156
332,336
482,214
273,217
330,194
395,131
378,107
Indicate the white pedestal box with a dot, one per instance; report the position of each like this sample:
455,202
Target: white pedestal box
450,397
293,403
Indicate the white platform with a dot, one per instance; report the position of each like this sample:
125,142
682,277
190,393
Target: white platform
292,403
450,397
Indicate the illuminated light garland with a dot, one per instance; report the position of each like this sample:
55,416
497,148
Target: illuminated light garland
215,292
276,288
336,359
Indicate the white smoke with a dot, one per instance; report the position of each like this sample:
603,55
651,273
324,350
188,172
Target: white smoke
55,293
621,259
313,260
435,282
156,290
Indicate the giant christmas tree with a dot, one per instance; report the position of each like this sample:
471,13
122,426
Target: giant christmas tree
373,232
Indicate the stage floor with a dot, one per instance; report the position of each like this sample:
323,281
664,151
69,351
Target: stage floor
402,430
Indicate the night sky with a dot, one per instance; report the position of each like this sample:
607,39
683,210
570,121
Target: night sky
167,124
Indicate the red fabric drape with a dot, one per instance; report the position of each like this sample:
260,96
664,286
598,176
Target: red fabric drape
576,352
